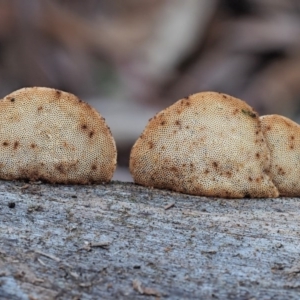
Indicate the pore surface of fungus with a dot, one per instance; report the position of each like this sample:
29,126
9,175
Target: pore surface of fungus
207,144
51,135
283,138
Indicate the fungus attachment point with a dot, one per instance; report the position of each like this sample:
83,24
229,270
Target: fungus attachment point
283,138
51,135
210,144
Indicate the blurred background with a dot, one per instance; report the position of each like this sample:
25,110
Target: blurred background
130,59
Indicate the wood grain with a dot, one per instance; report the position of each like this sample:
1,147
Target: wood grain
117,241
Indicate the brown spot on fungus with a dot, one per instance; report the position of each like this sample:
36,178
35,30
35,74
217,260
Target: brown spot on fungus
215,164
33,145
236,110
5,144
280,171
268,128
174,169
58,93
91,134
60,168
150,144
16,145
94,167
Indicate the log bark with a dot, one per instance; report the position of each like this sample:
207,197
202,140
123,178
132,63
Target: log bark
123,241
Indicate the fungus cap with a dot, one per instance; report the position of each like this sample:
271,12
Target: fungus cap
207,144
51,135
283,138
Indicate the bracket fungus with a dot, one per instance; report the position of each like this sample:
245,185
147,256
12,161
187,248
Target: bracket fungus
283,138
207,144
51,135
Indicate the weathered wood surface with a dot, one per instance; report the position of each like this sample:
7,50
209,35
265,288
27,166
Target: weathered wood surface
117,241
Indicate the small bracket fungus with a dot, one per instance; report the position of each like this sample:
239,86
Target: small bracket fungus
283,138
208,144
50,135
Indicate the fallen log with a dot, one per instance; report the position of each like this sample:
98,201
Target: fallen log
123,241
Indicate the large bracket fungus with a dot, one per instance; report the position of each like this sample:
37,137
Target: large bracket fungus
50,135
207,144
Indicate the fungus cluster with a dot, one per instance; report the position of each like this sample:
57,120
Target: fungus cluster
212,144
51,135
